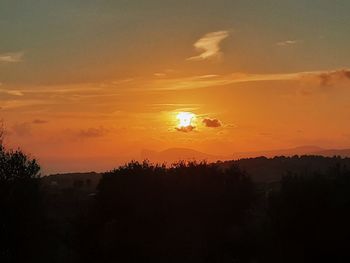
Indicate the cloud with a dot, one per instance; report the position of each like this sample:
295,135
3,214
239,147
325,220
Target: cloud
287,43
92,133
38,121
231,126
185,129
327,78
15,104
159,74
15,92
12,92
25,128
22,129
209,44
206,81
13,57
212,123
174,106
321,78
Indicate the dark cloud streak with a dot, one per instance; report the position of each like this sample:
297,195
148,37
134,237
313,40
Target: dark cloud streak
212,123
185,129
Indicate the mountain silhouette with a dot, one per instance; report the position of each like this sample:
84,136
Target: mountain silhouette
301,150
334,152
172,155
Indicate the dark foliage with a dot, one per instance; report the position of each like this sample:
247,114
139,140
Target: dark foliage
20,207
262,169
310,217
191,212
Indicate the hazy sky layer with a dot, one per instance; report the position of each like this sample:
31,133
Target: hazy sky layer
98,81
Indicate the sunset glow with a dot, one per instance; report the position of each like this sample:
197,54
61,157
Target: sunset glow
86,86
174,131
185,119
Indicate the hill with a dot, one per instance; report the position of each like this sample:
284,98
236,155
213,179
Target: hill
263,169
173,155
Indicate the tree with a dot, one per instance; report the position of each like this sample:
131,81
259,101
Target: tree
20,205
310,217
189,212
1,133
15,165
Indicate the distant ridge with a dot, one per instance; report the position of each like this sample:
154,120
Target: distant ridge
335,152
264,170
260,169
175,154
301,150
172,155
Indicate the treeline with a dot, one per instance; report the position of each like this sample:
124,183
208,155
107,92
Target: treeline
151,213
189,212
263,169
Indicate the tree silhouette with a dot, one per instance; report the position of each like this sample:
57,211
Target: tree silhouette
190,212
310,217
20,207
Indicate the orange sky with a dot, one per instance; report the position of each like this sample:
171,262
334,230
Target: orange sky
87,122
110,82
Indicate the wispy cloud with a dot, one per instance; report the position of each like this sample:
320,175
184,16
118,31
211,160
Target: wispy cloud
327,78
206,81
12,57
319,77
22,129
175,106
92,132
288,43
188,128
39,121
12,92
16,104
209,45
159,74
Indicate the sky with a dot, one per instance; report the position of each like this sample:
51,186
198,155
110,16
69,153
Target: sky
87,85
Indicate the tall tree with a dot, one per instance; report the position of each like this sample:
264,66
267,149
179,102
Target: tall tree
20,205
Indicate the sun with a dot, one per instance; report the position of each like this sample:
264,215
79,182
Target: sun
185,119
